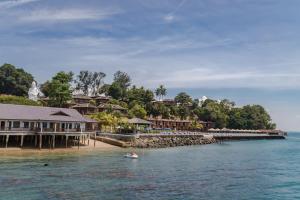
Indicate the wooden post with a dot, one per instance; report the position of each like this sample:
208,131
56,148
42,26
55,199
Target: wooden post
95,140
22,140
35,140
78,141
7,138
53,145
66,141
49,141
41,138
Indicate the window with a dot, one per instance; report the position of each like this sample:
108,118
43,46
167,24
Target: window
45,124
70,126
26,124
51,125
16,124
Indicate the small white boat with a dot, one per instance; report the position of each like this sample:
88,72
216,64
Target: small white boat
131,155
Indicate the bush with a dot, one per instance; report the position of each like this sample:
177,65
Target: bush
9,99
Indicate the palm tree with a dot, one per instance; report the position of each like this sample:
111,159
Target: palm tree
161,91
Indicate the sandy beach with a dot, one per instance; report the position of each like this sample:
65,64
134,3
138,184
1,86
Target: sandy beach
93,146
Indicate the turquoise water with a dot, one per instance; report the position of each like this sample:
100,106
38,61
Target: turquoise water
265,169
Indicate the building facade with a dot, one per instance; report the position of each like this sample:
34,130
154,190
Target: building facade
20,120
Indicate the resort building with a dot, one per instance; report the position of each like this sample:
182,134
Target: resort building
35,122
177,124
167,102
171,124
140,124
85,108
86,105
111,107
100,99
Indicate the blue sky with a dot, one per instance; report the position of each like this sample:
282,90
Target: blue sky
245,50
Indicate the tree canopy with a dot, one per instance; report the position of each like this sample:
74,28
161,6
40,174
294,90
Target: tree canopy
14,81
160,92
123,79
183,98
60,89
90,82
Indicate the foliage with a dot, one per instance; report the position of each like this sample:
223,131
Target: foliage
115,91
9,99
90,82
104,89
137,111
117,102
140,95
45,88
183,112
196,125
215,112
161,91
110,122
118,88
14,81
250,117
105,120
183,98
160,110
60,89
122,79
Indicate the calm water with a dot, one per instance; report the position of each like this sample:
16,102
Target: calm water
233,170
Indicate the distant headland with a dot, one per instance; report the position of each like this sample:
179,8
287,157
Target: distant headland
120,107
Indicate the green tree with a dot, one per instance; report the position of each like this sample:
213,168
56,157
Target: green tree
250,117
45,88
14,81
60,89
183,98
140,95
213,111
160,110
183,112
123,79
138,111
115,91
90,82
160,92
107,121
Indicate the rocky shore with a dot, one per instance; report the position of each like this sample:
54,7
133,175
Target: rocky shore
170,141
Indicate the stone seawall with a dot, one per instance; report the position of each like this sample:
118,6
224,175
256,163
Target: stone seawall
170,141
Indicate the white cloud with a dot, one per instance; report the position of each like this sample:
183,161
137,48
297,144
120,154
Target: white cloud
65,15
14,3
169,18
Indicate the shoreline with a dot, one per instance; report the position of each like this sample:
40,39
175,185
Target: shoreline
100,147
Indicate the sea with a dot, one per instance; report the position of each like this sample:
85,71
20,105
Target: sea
257,169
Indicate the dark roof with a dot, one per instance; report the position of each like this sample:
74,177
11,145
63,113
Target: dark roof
112,106
138,121
169,120
81,97
84,105
101,97
36,113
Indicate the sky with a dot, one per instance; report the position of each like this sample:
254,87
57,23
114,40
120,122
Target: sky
244,50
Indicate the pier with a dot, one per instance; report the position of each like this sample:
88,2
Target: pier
172,139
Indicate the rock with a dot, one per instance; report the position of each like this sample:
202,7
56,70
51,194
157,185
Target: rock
162,141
